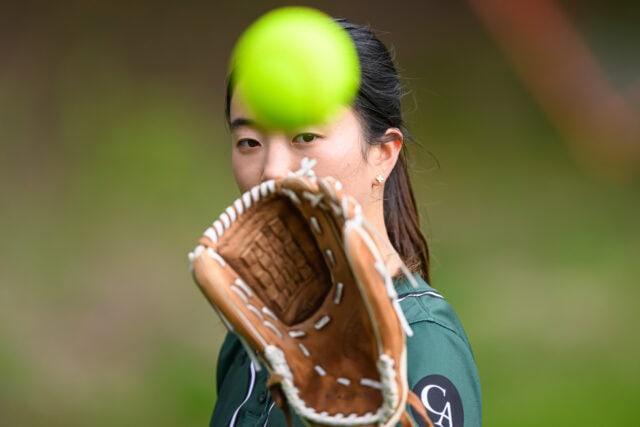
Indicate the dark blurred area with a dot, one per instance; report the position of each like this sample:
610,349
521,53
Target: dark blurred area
114,157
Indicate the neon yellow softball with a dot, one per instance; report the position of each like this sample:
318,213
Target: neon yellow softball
294,67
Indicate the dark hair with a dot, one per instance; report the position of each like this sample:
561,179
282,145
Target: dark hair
378,107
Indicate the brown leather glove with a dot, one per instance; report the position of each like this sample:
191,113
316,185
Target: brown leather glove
295,271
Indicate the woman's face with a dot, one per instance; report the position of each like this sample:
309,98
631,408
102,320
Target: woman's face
338,148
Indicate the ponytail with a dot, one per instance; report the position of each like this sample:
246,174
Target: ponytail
402,220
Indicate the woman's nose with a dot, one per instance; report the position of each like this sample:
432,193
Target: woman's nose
278,161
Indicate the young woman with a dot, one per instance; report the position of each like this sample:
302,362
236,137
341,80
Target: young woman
364,149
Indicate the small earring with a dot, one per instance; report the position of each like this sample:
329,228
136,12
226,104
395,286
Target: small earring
379,179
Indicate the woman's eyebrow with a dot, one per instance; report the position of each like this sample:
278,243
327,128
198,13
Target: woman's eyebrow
241,121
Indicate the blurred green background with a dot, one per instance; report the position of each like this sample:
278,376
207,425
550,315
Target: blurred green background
114,157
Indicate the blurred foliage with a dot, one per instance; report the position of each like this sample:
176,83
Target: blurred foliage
116,157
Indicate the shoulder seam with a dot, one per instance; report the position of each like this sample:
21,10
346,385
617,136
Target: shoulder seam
420,294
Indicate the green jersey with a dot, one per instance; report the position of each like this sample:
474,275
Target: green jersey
440,367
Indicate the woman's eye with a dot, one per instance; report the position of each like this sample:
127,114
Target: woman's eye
305,138
248,143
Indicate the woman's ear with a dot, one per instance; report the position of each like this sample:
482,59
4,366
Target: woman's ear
383,157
